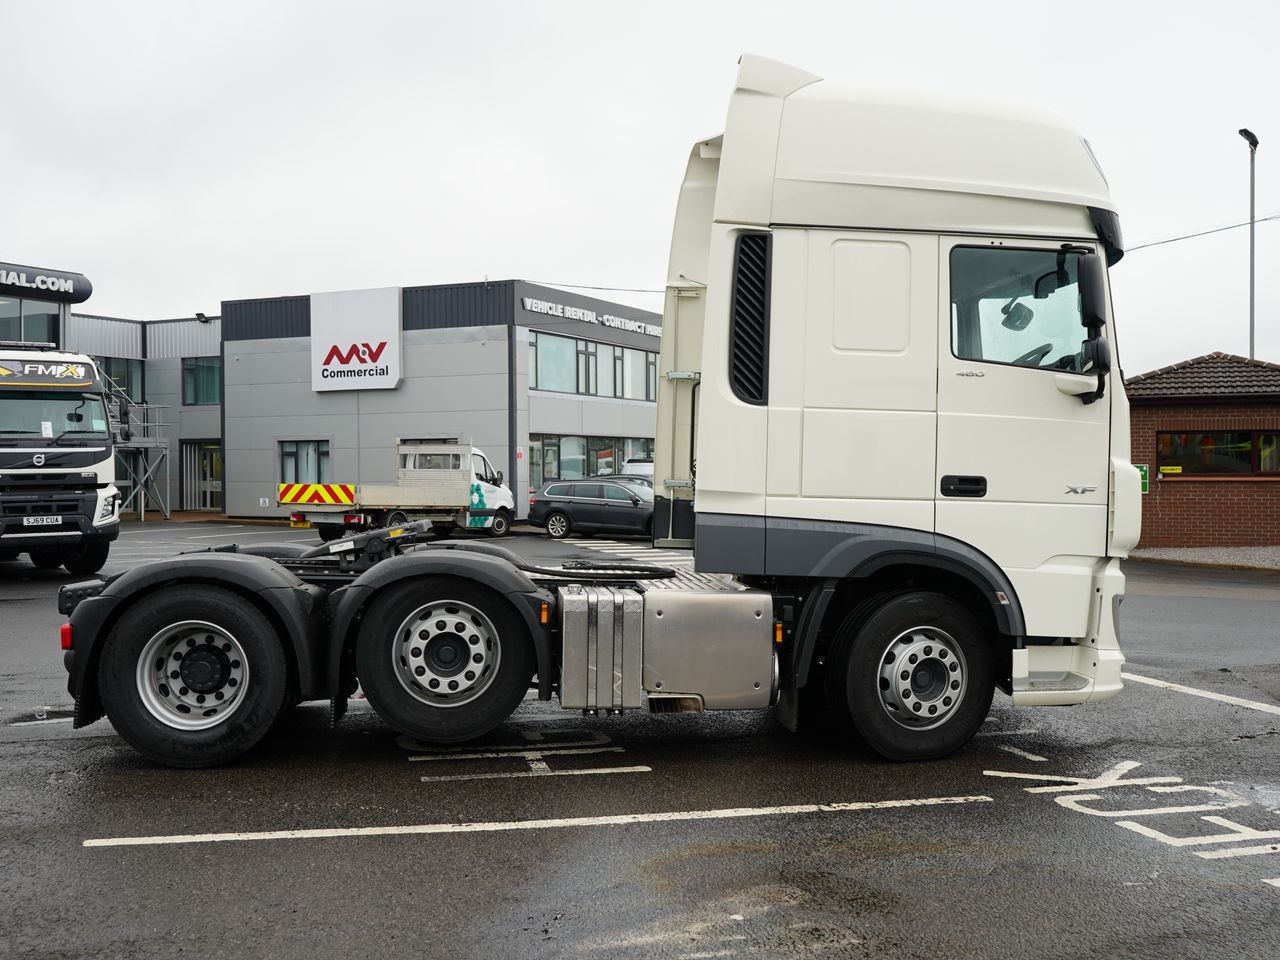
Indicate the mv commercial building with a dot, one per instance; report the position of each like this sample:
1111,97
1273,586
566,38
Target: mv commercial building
319,388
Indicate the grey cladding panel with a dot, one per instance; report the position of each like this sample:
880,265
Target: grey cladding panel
266,319
459,305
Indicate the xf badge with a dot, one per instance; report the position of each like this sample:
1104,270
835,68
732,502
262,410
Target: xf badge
1081,488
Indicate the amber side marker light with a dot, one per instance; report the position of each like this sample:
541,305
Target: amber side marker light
777,631
545,614
66,636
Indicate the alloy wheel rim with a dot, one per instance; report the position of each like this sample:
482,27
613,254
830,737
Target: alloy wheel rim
446,653
922,679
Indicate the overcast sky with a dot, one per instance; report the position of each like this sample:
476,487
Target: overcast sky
181,154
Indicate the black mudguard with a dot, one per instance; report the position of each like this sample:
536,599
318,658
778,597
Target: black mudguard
493,572
296,608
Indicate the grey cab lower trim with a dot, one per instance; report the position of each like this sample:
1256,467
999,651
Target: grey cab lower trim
789,547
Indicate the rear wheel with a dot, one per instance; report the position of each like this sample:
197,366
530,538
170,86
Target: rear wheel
558,526
87,558
329,531
501,524
443,660
47,559
193,676
914,675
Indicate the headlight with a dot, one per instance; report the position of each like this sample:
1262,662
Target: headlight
108,508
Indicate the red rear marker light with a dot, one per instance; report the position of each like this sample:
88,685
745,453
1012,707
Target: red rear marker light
296,518
352,518
66,636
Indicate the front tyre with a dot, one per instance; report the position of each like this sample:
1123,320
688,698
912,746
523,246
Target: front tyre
443,660
915,675
47,559
501,524
87,558
193,676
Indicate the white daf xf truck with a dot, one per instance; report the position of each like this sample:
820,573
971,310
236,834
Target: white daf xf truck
889,422
58,500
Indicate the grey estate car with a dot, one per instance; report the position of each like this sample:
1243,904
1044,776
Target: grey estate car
592,506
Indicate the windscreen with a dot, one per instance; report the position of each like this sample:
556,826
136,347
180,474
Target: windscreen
51,415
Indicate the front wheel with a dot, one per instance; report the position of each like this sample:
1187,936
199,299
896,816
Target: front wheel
193,676
914,674
501,524
47,559
443,660
87,558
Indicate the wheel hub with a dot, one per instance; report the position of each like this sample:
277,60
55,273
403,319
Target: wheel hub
922,678
446,653
204,669
192,675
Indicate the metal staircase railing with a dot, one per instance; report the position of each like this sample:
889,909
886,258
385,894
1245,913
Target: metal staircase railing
142,450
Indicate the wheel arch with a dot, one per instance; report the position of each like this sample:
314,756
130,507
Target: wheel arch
978,586
293,608
494,573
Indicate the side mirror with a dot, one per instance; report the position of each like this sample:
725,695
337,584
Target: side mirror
1093,294
1096,355
122,410
498,480
1017,316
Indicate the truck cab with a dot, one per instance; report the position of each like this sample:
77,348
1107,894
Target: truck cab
58,500
888,358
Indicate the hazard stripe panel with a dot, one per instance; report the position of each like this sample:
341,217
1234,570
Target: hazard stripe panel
324,493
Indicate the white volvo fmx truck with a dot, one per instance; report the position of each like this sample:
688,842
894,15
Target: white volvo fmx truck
58,499
890,423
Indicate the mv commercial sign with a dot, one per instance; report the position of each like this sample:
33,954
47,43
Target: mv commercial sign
355,340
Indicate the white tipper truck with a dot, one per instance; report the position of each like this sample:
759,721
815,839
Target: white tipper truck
58,499
889,422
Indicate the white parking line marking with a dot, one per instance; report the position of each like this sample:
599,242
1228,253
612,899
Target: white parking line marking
1026,755
1207,694
36,723
498,826
524,752
1274,883
507,750
1238,852
539,769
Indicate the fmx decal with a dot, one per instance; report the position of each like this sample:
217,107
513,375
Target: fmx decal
356,353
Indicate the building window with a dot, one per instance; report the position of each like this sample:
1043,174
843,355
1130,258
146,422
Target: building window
304,461
553,457
566,365
124,376
32,321
1218,453
201,380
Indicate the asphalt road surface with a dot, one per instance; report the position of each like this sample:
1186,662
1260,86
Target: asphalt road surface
1147,826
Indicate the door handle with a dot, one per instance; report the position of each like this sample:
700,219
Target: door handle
953,486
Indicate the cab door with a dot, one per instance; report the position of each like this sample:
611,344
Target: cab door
1022,461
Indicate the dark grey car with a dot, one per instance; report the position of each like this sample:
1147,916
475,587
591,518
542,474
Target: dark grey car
592,506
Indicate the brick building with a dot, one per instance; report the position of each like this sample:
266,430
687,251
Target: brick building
1209,431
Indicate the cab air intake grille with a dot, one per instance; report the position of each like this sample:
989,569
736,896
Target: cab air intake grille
749,320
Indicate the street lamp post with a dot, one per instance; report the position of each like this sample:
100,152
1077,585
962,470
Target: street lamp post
1253,155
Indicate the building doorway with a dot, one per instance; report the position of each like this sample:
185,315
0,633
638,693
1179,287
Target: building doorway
201,475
